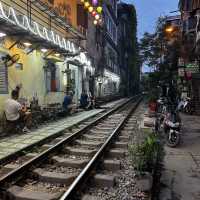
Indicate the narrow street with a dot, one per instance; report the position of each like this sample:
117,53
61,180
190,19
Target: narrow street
181,175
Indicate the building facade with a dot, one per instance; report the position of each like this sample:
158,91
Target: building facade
127,46
190,59
42,48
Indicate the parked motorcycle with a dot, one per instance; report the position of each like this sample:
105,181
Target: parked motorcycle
168,121
172,128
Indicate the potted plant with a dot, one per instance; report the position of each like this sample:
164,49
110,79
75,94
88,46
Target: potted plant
143,157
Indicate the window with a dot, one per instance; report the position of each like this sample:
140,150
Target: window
52,79
3,79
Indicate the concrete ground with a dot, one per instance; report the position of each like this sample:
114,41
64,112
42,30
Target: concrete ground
181,174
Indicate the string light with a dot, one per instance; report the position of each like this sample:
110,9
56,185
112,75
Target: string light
90,9
97,17
87,4
35,29
95,22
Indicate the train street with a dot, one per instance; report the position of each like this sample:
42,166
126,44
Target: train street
99,100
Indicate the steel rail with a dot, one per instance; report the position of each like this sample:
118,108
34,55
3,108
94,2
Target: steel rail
17,173
84,175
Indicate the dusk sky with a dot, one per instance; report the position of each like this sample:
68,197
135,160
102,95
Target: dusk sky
149,10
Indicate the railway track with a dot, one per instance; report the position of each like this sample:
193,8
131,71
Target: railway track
62,169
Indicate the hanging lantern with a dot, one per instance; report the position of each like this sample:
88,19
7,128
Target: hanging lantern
99,9
90,9
95,2
94,13
97,17
95,22
87,4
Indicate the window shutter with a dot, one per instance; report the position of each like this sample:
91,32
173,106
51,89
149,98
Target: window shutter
3,79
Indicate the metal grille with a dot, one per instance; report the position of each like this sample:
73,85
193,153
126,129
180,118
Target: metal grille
3,79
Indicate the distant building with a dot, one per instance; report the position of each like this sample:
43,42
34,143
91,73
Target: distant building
130,77
190,15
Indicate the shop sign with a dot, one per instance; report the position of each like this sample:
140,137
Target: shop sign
36,29
192,68
62,7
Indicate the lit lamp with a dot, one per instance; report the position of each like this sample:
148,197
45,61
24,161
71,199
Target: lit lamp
99,9
94,13
97,17
169,29
2,34
87,4
27,44
95,22
44,50
90,9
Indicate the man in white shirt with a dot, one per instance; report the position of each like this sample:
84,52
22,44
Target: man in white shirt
14,111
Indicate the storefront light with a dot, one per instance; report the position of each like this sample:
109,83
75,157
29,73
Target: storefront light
27,44
112,76
2,34
64,79
57,54
44,50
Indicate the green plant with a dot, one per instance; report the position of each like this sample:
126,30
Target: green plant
144,156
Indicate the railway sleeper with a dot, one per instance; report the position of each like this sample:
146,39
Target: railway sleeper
123,138
99,132
111,165
54,177
104,180
89,143
116,153
66,162
18,193
81,151
120,144
94,137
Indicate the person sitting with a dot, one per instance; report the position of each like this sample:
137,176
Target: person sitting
68,105
15,112
91,101
84,100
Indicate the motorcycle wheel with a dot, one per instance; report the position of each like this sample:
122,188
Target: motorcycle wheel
174,140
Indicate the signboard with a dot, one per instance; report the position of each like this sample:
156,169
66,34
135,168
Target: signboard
63,8
192,68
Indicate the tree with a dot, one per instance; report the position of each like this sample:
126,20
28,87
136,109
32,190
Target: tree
161,51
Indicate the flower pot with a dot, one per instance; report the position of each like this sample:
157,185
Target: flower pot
144,182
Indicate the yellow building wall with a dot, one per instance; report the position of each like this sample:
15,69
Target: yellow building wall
32,77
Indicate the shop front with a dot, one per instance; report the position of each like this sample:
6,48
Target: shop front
35,57
108,84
